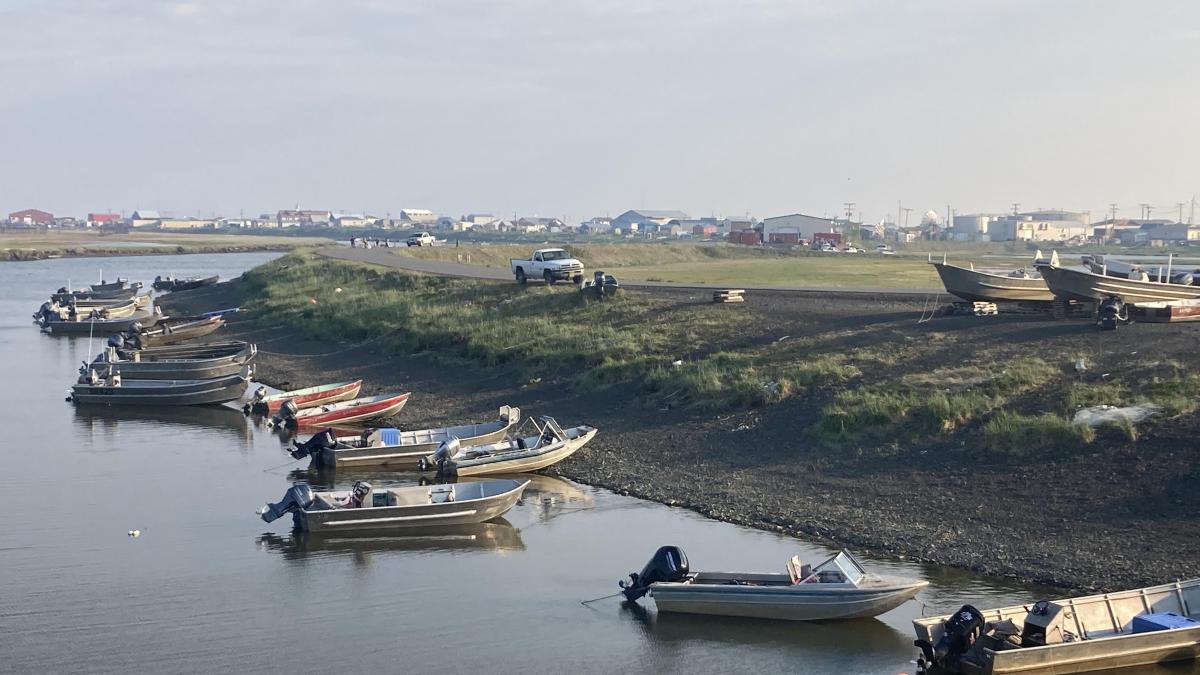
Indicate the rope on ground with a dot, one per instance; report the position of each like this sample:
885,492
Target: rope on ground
333,353
926,309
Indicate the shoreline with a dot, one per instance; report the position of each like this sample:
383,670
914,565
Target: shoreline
1072,522
31,255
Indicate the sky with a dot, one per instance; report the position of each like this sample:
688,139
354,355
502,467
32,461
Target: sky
582,108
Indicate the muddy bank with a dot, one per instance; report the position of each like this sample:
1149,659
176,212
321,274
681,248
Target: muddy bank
17,255
1117,515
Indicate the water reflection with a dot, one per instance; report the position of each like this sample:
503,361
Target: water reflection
109,419
494,535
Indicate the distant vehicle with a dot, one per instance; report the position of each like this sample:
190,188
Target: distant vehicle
551,264
851,248
884,249
829,248
421,239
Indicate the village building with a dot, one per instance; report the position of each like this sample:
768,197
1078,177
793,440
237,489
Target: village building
102,219
418,216
636,219
144,218
31,217
793,227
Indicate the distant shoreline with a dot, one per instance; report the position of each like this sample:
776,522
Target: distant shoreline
28,255
23,246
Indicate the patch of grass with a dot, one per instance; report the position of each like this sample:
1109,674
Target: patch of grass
1177,395
746,378
1017,435
937,402
1087,395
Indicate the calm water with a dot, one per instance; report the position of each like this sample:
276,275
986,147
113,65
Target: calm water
209,587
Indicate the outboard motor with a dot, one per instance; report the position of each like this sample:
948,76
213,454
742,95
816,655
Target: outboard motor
286,417
669,563
256,404
1111,312
116,341
446,449
961,631
297,498
323,440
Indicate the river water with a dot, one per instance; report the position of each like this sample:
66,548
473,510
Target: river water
208,587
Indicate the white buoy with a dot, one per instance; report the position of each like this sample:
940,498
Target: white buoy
135,533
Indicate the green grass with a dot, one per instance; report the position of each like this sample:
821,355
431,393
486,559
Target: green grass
543,331
1017,435
933,403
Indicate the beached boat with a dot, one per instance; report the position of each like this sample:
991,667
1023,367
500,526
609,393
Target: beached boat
394,448
838,588
1174,311
266,404
1075,635
494,535
1022,285
344,412
1088,286
88,326
366,508
97,309
110,388
519,452
146,365
200,350
63,295
174,332
173,284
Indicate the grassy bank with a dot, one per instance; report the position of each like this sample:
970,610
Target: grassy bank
74,243
877,387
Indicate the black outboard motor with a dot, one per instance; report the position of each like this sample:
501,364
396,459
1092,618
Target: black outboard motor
323,440
257,405
961,631
298,497
1111,312
116,341
286,417
669,563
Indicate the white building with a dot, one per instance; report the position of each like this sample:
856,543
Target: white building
794,226
418,216
631,220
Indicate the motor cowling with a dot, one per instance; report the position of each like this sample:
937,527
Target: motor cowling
1112,311
961,631
298,497
286,417
324,440
669,564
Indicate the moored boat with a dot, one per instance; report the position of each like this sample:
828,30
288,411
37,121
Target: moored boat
111,389
838,588
90,326
394,448
145,365
1022,285
519,452
174,332
397,508
173,284
1074,635
343,412
63,295
111,285
266,404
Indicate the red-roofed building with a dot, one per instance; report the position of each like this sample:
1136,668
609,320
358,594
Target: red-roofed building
30,217
100,219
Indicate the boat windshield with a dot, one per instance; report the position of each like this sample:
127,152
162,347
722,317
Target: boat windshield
845,563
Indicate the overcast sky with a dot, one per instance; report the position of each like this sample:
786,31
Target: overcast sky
555,107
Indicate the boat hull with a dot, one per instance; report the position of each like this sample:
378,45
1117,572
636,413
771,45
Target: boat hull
1166,312
794,602
181,369
345,412
1084,286
984,287
313,396
180,392
400,518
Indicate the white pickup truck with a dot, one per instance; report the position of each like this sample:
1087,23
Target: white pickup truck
421,239
550,264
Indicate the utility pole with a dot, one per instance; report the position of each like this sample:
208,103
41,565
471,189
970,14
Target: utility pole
1016,208
908,210
849,211
1180,205
1145,211
1113,207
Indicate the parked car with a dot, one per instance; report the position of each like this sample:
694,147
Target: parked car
551,264
884,249
851,248
421,239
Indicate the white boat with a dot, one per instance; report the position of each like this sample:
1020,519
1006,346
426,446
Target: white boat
518,453
394,448
1074,635
838,588
367,508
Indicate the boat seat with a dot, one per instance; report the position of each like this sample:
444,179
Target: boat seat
797,570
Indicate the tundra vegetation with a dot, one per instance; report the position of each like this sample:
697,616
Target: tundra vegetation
862,388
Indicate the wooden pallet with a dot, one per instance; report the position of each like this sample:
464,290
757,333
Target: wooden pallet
729,295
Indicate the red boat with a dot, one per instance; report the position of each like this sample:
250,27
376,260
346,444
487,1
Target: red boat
358,410
266,404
